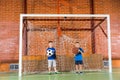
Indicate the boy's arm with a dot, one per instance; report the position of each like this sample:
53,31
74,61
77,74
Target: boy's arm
54,50
46,51
81,50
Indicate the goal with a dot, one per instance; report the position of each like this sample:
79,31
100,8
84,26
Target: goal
91,31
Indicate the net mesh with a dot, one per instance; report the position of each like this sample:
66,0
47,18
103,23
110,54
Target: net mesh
43,29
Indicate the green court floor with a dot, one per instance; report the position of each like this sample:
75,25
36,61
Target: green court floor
65,76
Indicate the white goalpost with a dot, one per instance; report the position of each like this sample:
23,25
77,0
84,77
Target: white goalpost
22,16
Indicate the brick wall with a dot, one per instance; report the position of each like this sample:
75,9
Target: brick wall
11,9
9,28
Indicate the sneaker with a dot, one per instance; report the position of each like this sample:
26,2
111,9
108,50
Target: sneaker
57,72
77,72
49,73
80,72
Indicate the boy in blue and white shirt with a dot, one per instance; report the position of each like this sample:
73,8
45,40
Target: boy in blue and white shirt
52,58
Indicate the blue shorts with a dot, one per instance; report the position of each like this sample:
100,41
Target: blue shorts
78,62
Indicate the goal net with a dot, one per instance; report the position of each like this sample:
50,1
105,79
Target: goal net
91,31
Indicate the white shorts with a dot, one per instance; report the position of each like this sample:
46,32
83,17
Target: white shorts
51,63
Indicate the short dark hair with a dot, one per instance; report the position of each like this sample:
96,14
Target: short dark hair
50,41
76,42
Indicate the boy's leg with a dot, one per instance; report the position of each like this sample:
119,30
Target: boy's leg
49,69
55,69
54,65
77,68
81,66
49,65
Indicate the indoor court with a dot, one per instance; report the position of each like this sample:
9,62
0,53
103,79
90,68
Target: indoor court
65,76
59,40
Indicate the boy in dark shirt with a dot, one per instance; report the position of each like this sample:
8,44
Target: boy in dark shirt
78,57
